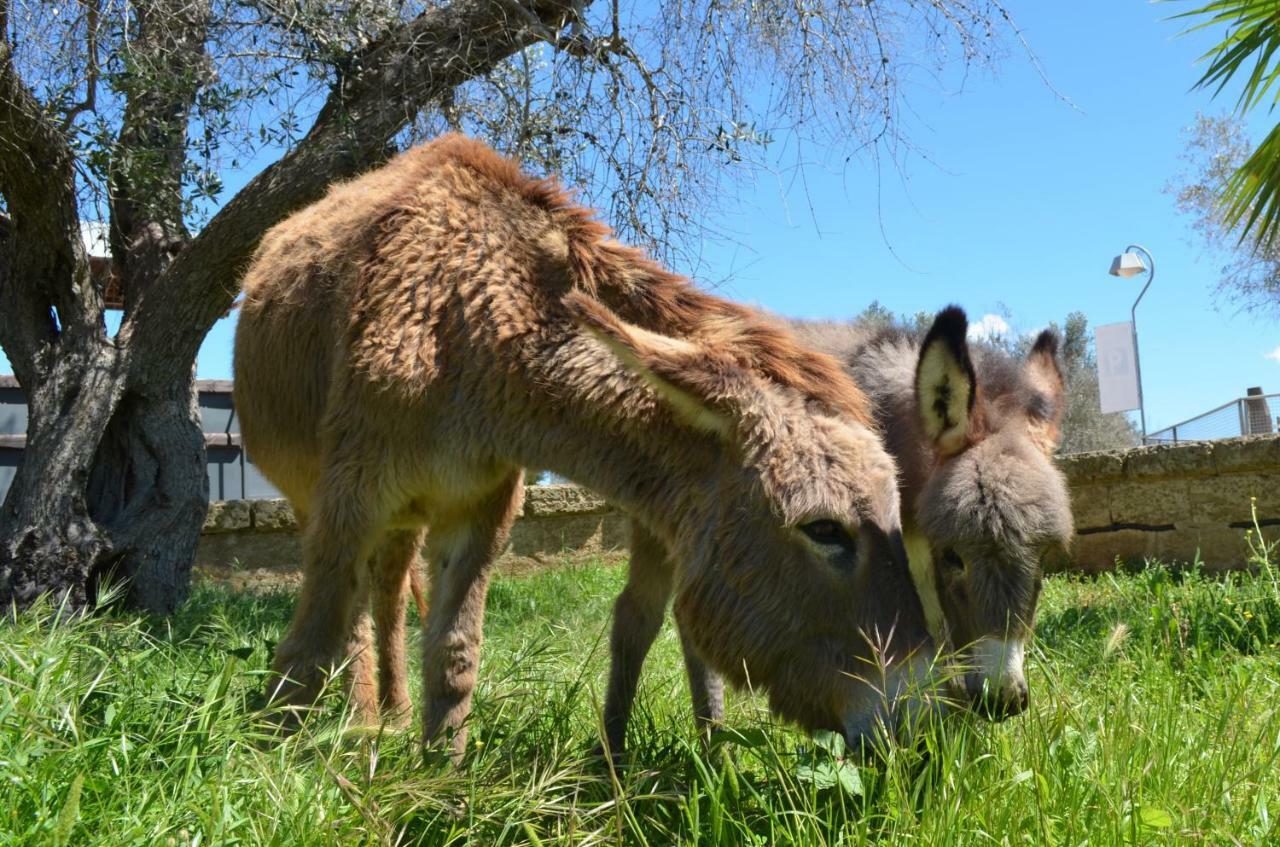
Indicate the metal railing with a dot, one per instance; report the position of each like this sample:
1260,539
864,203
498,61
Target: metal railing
231,475
1255,414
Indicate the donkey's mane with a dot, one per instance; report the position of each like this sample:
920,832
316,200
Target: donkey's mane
641,291
1000,374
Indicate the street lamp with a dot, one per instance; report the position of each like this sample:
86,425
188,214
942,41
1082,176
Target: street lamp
1128,264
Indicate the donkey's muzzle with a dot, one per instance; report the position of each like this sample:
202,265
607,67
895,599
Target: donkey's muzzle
995,683
910,697
1003,704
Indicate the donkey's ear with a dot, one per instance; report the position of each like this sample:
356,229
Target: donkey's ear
695,382
1048,392
946,385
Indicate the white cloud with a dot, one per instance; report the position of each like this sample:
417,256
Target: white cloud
987,327
1274,355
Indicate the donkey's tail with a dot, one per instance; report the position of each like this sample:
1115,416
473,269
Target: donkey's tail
415,586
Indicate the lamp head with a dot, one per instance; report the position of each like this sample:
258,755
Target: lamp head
1127,265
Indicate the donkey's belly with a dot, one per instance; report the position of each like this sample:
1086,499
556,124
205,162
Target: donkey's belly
281,387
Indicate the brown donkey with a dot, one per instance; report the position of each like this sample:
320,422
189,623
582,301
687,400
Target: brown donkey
412,340
973,433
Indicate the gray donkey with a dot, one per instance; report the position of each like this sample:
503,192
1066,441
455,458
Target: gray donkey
973,432
411,341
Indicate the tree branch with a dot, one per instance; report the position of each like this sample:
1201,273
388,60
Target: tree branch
93,18
26,317
43,265
408,68
167,54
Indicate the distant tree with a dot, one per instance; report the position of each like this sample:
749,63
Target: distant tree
1216,150
876,314
133,112
1084,426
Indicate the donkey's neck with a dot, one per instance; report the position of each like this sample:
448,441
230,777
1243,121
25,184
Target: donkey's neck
662,495
602,427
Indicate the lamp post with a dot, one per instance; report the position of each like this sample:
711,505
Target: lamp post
1128,264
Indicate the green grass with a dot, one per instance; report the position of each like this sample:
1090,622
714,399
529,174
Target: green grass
1155,720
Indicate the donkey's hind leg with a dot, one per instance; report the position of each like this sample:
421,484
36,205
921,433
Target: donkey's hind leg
359,656
637,617
461,546
391,568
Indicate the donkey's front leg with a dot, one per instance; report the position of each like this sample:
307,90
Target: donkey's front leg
461,547
637,617
327,623
706,688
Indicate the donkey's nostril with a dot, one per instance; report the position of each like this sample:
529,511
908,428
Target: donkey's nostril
1002,705
997,704
993,708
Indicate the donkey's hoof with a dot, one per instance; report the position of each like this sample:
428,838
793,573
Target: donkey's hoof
289,697
613,757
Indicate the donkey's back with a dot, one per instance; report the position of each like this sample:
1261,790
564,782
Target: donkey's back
297,301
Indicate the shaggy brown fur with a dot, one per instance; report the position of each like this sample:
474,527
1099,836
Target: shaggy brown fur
973,433
411,341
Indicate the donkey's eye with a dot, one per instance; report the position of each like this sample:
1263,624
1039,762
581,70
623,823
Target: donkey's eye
827,532
951,561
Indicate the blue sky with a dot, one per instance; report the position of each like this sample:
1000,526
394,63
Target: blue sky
1017,211
1026,202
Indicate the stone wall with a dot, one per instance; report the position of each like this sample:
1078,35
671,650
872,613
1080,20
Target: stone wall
254,543
1173,502
1169,502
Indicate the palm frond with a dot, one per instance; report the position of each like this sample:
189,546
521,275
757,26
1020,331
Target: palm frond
1251,195
1251,42
1249,53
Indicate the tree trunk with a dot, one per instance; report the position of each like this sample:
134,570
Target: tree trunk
49,544
112,487
149,491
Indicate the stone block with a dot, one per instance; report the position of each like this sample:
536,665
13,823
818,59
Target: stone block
1217,547
550,536
1091,505
1088,468
1255,453
249,550
226,516
562,500
1154,502
539,541
1098,551
1193,459
273,515
1226,499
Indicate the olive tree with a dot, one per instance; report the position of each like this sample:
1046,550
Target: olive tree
132,113
1217,148
1084,425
